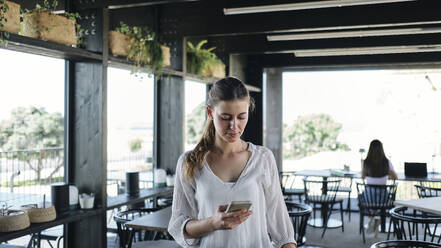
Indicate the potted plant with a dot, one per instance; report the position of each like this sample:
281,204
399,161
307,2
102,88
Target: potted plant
9,18
204,62
42,23
139,45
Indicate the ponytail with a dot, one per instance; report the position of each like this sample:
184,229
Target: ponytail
195,159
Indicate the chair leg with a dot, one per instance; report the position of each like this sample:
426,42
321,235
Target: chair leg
349,205
325,224
342,219
390,225
362,230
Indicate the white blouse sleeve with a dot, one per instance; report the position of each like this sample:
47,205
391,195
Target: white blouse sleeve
279,224
184,207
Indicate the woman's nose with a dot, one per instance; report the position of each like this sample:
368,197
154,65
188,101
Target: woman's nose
233,123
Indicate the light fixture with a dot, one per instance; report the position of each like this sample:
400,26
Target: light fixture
305,5
357,33
367,50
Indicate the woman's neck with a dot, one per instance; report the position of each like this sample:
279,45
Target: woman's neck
225,148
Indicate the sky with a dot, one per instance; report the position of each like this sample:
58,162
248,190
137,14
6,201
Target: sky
28,79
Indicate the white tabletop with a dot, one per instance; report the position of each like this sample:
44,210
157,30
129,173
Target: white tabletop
430,204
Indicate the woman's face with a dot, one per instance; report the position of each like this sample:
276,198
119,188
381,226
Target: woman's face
229,119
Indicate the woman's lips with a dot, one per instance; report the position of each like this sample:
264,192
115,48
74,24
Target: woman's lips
233,134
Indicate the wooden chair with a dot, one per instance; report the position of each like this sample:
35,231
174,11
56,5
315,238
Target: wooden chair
287,182
375,200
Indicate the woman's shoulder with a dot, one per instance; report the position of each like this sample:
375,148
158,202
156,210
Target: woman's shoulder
259,149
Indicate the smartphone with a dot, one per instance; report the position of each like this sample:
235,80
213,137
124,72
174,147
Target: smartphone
238,205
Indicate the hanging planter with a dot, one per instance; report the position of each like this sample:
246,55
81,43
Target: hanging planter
203,62
9,16
42,24
139,45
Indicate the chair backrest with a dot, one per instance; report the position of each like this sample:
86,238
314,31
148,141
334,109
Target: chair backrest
404,244
414,225
317,190
286,180
125,216
424,192
376,196
299,214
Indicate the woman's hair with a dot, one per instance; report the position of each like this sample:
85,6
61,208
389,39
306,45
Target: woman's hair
376,163
226,89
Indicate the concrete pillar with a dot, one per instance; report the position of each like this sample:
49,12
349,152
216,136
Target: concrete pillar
273,114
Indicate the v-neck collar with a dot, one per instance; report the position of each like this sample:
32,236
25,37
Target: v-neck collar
207,166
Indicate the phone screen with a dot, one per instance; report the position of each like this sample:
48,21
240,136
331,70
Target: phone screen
238,205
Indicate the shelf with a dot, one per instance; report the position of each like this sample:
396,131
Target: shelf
123,63
46,48
70,216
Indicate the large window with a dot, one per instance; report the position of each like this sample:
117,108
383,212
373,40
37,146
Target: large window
31,126
130,116
330,117
195,95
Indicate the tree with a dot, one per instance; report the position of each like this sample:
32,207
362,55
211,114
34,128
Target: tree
135,144
312,134
32,131
195,124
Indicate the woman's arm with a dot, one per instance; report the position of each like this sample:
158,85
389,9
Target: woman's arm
393,175
278,222
290,245
219,221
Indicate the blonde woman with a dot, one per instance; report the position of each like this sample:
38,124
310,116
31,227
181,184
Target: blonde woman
224,168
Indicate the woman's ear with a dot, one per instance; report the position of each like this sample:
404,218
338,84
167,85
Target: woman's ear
209,112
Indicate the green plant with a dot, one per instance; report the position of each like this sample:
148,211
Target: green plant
198,58
3,9
144,48
135,145
50,7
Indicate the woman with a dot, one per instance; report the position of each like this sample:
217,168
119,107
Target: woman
376,169
223,168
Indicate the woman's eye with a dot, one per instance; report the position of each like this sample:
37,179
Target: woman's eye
225,119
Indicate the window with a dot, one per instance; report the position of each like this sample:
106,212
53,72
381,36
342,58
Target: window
330,117
195,96
31,126
130,116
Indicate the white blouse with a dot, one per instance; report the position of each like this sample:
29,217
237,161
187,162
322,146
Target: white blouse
268,226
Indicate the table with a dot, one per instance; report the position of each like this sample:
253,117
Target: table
430,204
156,221
318,222
124,199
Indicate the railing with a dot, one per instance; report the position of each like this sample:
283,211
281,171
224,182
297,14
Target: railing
29,173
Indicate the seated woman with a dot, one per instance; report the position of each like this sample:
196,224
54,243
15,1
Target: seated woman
376,169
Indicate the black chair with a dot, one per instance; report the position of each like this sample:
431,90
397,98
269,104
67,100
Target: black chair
287,180
411,226
317,194
404,244
424,192
346,188
125,216
52,234
375,200
299,214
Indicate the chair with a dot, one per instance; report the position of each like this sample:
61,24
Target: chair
404,244
424,192
51,234
299,214
407,225
345,187
375,200
317,193
125,216
287,180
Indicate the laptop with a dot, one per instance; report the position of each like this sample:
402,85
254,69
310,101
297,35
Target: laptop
415,169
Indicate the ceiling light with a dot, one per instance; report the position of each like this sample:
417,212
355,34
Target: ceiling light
367,50
305,5
357,33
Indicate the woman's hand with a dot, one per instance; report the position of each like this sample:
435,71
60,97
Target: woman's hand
221,220
290,245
